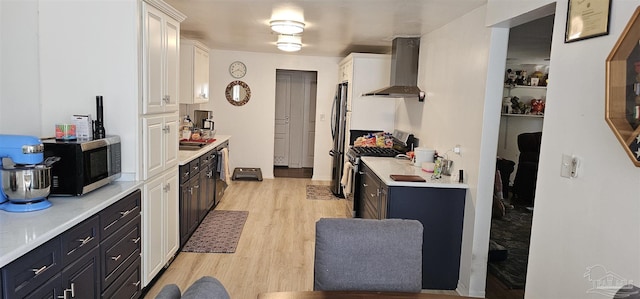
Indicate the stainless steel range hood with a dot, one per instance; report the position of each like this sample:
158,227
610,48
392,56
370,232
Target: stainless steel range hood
404,70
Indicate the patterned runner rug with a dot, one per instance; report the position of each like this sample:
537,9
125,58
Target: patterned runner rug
219,232
320,192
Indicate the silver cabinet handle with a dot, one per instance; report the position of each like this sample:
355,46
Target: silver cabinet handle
136,240
39,271
85,240
137,283
125,213
167,188
366,185
116,258
166,129
166,99
73,290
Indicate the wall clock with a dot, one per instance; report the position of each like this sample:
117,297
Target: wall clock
237,69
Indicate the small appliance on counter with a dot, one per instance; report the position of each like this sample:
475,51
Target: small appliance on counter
85,165
98,125
24,179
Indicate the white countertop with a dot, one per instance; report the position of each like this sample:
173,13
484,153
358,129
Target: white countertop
185,157
23,232
384,167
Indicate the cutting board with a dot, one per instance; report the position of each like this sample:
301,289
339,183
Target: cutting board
407,178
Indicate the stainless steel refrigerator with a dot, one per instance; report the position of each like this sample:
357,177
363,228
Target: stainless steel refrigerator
338,129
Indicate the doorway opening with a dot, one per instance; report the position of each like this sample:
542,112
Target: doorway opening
295,116
518,149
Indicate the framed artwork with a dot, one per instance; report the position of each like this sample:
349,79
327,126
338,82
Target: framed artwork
622,110
587,19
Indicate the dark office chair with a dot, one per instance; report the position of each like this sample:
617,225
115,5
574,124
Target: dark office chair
368,255
524,184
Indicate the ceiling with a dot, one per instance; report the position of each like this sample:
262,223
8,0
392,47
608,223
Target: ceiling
333,27
339,27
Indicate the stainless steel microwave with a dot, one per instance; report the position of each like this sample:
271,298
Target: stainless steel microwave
84,165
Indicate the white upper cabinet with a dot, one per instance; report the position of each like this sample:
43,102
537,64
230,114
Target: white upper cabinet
194,72
160,61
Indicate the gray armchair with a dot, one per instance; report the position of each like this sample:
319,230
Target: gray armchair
368,255
206,287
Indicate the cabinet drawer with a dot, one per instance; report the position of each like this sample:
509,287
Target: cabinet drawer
32,269
185,170
79,240
195,168
128,284
119,251
52,288
119,214
207,158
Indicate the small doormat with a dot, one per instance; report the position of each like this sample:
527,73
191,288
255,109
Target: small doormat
320,192
219,232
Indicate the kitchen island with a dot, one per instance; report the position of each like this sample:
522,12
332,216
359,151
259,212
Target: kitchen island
437,203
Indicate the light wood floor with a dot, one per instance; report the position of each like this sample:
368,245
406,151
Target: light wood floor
276,248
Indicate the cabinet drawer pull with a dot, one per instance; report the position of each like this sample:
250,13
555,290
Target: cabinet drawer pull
196,186
39,271
210,174
85,240
186,173
73,290
195,167
116,258
167,188
127,212
365,185
136,240
111,224
136,284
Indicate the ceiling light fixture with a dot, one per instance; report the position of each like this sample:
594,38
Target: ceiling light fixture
289,42
287,26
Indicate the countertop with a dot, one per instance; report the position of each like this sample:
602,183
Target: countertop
187,156
23,232
384,167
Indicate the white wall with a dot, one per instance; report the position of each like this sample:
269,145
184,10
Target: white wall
454,76
60,54
252,125
20,111
591,220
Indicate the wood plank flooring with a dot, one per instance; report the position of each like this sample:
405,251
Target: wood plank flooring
276,248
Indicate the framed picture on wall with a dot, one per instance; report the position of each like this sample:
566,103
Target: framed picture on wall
587,19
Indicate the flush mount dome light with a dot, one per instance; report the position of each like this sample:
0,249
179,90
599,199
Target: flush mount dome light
289,42
287,26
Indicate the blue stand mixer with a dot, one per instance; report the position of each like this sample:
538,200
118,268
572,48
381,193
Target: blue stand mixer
25,184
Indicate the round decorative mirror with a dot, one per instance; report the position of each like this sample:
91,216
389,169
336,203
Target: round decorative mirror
238,93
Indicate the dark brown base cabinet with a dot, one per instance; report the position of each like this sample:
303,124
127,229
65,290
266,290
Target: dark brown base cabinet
94,259
199,191
441,212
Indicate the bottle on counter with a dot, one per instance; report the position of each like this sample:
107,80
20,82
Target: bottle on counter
186,127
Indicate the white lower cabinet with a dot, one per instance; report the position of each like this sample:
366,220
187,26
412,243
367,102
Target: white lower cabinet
160,223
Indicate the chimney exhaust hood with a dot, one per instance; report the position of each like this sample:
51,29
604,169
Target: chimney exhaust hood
404,70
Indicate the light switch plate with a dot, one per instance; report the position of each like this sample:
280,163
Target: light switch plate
565,166
569,166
